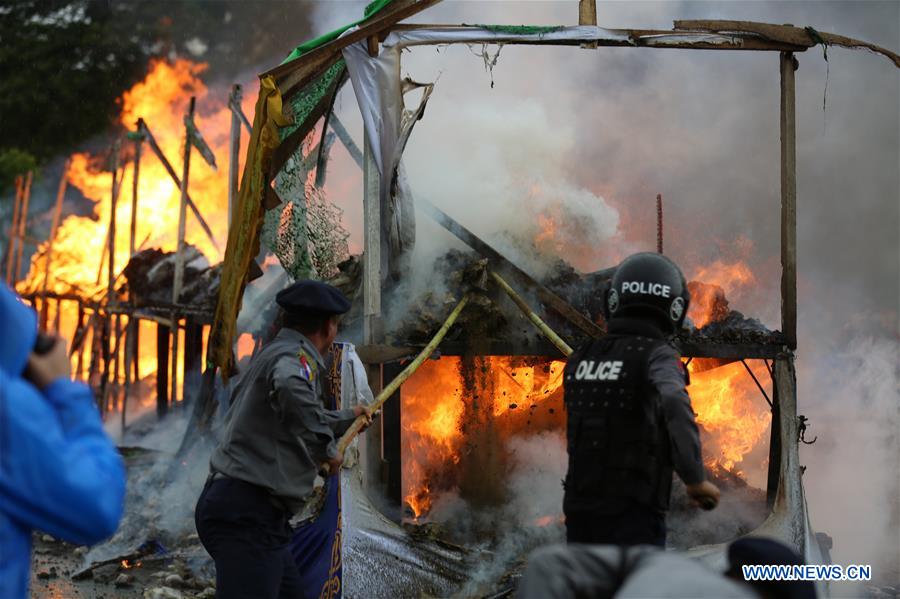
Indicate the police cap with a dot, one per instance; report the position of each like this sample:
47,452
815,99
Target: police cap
312,297
765,551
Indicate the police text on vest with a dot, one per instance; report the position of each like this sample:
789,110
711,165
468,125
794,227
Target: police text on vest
645,288
588,370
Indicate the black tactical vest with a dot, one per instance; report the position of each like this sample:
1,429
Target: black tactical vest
617,438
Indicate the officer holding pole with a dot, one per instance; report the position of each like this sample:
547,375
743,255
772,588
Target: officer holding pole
277,434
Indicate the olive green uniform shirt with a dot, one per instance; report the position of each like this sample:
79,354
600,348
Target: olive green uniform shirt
277,431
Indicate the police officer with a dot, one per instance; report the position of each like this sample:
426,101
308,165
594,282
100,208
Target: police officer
630,421
277,434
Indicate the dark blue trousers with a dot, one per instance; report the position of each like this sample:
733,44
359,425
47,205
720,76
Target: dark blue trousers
247,536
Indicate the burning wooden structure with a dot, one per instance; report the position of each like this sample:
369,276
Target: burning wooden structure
153,300
308,82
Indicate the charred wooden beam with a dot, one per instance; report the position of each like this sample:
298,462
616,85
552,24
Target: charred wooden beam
545,295
162,370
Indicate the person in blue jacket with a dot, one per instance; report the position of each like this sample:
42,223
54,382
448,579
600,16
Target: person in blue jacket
59,472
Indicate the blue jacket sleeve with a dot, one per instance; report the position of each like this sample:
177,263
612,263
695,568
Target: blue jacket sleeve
59,472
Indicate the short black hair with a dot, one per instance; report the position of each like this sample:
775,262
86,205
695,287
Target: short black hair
307,323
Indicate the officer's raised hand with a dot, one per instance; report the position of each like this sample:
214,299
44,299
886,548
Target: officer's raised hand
705,494
366,411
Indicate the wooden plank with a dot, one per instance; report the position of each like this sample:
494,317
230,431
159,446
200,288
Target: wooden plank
746,35
111,238
788,34
788,200
587,12
294,75
136,175
372,246
587,15
545,295
372,45
178,278
162,370
641,38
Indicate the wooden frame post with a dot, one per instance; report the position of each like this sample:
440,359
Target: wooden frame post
48,258
178,279
788,200
23,220
372,323
234,150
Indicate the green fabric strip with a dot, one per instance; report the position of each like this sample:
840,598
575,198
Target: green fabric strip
312,44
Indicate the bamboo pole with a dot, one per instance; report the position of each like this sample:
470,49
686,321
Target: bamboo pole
549,333
131,329
23,219
401,378
13,228
48,259
179,252
108,332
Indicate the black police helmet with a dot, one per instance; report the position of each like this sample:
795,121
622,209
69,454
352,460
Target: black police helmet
648,284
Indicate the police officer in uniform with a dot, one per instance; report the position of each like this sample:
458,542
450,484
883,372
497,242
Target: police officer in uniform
630,421
277,434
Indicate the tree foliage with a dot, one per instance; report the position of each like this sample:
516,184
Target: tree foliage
62,67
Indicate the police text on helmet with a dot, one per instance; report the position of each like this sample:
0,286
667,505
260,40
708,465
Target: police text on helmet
646,288
601,371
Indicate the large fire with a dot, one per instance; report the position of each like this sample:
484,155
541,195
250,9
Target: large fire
457,413
79,250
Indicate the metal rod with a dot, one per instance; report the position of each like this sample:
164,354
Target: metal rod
756,380
659,224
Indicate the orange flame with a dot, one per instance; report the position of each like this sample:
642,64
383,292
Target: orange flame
711,284
79,249
522,395
439,414
731,411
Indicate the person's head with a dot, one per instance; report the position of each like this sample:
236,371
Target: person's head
650,287
750,551
313,308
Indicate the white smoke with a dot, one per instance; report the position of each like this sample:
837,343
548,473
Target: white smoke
852,402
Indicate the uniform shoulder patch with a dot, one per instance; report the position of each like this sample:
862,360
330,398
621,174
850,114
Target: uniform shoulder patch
307,366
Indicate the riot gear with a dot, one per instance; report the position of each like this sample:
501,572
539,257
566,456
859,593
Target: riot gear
648,283
617,441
